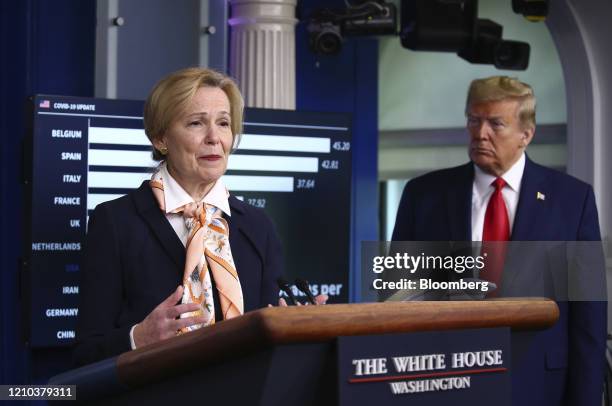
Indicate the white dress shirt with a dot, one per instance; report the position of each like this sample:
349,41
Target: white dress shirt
175,196
482,190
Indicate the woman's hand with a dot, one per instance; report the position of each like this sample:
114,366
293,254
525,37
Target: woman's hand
163,322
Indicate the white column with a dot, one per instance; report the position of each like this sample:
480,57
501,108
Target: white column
107,32
262,51
581,30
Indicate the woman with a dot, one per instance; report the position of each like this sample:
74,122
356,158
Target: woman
159,260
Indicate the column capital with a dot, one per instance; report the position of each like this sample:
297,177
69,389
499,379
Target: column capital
262,51
253,12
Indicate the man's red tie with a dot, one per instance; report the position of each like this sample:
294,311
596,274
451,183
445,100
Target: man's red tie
496,224
496,228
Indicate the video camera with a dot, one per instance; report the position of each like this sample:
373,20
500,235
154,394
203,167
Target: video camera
428,25
328,27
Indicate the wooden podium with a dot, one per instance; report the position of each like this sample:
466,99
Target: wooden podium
281,355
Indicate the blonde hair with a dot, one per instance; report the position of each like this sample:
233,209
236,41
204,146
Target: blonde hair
497,88
171,95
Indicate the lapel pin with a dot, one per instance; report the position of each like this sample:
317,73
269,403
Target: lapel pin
540,196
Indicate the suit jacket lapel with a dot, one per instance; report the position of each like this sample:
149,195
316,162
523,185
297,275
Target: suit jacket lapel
530,210
459,204
146,205
236,220
240,227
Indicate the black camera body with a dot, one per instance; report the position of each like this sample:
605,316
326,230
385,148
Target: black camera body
454,26
327,28
488,47
428,25
533,10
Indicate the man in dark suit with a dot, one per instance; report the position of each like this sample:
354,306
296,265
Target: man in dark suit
503,195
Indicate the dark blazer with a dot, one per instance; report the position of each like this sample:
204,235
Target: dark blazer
564,364
134,260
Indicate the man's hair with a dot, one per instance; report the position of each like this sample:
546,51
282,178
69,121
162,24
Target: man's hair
497,88
171,95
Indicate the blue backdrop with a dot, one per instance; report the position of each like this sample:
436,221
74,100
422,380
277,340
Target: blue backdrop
45,47
347,82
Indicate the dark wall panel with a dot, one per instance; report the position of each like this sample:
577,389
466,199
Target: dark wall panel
45,47
347,82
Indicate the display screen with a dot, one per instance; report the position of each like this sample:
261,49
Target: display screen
294,165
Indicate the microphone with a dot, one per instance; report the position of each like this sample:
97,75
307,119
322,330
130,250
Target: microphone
302,285
284,286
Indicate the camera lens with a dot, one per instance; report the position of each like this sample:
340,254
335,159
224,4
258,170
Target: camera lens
328,43
512,55
325,38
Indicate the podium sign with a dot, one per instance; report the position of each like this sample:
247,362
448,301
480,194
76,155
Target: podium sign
470,367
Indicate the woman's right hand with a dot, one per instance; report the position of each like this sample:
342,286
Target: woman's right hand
164,321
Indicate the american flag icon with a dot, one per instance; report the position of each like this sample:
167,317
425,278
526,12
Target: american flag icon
44,104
